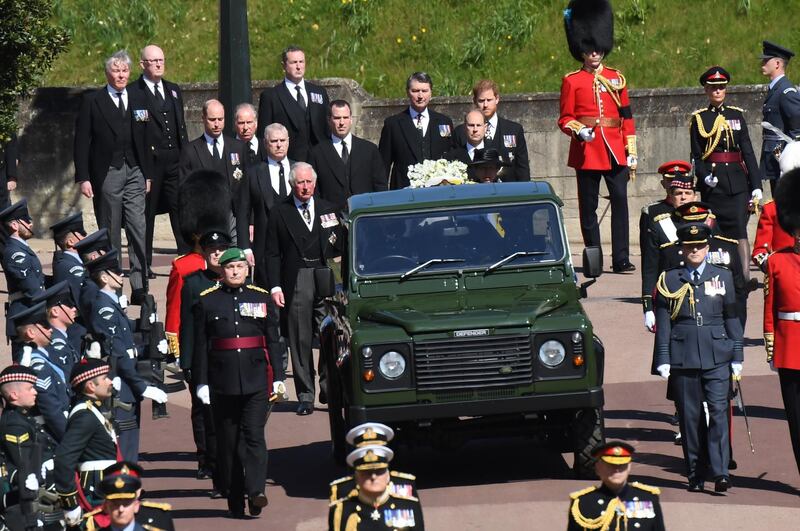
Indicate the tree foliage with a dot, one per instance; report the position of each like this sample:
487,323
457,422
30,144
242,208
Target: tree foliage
29,43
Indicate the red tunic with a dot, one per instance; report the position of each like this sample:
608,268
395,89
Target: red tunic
581,97
181,266
770,237
782,294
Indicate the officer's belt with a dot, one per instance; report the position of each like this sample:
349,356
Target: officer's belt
100,464
722,157
789,316
233,343
699,321
591,121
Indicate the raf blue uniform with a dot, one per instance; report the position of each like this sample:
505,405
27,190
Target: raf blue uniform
53,395
62,350
109,320
67,265
699,343
24,277
781,109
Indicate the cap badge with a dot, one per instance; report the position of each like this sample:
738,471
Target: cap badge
617,450
370,434
693,209
694,230
119,483
370,457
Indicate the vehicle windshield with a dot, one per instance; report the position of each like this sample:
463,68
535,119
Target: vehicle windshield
477,237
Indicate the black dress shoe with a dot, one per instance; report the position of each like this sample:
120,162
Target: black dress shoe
626,267
732,464
305,408
722,484
151,275
256,502
217,495
696,486
323,397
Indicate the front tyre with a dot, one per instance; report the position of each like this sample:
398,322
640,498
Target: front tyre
587,434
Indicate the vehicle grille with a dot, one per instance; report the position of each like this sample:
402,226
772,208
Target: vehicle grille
473,363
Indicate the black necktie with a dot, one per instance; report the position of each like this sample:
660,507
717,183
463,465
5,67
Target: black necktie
216,150
120,104
159,96
306,213
301,101
489,131
419,125
281,181
345,153
253,152
695,276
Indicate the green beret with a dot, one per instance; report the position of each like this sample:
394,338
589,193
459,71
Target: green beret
234,254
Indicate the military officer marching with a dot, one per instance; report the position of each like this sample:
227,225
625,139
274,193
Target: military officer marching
67,263
374,503
617,503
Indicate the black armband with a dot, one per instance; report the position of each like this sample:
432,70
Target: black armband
625,112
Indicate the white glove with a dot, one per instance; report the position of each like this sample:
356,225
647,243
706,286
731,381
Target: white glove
586,134
203,394
123,301
155,394
736,368
663,370
650,321
116,383
163,346
711,180
757,195
27,352
633,162
279,388
47,465
94,351
153,318
73,517
31,483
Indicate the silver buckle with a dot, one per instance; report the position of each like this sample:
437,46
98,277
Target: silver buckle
699,319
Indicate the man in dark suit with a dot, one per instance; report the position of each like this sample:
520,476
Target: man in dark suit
503,135
111,162
245,124
8,170
303,233
214,151
415,134
474,129
267,185
165,134
346,165
297,104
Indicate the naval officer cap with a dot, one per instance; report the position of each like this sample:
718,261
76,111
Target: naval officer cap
372,457
369,433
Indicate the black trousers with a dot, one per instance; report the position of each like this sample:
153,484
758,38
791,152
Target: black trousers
588,197
241,445
304,315
790,391
205,436
163,197
706,448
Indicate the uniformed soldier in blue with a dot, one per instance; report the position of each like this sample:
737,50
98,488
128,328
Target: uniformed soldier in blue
375,502
93,246
22,268
781,108
67,263
699,346
372,433
616,504
61,314
109,322
89,445
52,401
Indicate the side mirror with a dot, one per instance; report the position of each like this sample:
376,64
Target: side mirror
324,282
592,262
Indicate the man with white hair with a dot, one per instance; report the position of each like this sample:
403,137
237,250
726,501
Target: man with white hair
111,162
245,124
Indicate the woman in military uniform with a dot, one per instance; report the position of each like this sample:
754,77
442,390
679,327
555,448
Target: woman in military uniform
725,165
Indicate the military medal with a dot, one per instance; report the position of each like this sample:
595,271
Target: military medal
375,515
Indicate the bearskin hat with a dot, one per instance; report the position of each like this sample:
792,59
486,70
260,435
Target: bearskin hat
589,25
787,201
204,201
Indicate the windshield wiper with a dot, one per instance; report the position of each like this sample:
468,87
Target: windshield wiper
509,258
430,262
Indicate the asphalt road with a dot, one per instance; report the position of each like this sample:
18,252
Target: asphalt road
505,483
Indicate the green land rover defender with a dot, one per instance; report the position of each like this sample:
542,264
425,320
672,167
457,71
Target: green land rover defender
460,317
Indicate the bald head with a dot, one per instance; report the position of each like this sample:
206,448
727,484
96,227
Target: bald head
151,59
213,118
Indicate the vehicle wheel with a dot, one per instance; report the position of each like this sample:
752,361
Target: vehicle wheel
587,432
337,417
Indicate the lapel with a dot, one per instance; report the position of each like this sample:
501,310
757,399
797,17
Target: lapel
155,114
203,155
294,224
411,133
265,185
335,163
175,106
296,116
110,111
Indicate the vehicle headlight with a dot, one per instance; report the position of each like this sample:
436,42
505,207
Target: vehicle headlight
552,353
392,365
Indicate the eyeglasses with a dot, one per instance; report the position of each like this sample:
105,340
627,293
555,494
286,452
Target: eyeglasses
151,61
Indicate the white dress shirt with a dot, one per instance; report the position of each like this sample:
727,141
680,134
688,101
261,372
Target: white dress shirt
299,205
293,91
425,119
112,93
274,174
337,143
152,86
471,149
210,143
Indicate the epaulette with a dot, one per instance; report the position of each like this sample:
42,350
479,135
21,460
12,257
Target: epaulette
403,496
698,111
573,72
403,475
177,258
577,494
735,108
350,494
256,288
92,513
89,523
646,488
340,480
209,290
157,505
662,216
668,244
725,238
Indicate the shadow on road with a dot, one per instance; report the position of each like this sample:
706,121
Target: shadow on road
764,412
199,513
176,493
636,414
291,467
639,433
166,456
